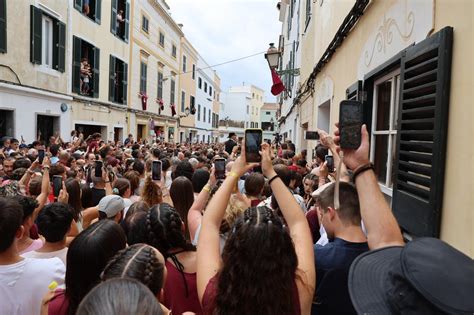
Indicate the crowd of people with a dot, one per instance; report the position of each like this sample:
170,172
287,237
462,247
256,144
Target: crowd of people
288,235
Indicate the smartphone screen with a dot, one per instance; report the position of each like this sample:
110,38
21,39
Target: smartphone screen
312,135
40,156
253,141
57,184
98,169
350,123
219,165
156,170
330,163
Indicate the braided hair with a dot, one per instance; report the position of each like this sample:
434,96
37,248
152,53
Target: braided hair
164,231
140,262
259,251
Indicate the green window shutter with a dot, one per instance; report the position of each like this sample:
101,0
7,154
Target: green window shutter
59,46
76,64
125,83
36,32
143,77
127,21
78,5
112,78
98,7
172,91
96,72
425,78
3,26
113,18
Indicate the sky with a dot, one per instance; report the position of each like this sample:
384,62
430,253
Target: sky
223,30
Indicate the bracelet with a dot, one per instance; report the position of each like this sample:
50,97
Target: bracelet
273,178
360,169
234,174
107,182
207,188
45,168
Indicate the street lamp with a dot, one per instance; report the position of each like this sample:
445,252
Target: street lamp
272,56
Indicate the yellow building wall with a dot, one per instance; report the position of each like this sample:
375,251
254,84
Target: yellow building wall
187,83
457,225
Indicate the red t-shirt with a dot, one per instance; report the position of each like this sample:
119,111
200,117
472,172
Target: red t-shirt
209,297
59,304
176,298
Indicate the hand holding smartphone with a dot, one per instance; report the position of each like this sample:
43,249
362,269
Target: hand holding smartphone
350,124
219,166
156,170
253,141
40,156
57,185
330,163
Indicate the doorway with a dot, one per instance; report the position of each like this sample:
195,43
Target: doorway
140,132
46,127
88,130
118,134
6,123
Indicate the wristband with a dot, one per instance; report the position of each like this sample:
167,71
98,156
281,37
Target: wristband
272,179
234,174
207,188
360,169
107,182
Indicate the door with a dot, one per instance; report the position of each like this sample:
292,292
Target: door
47,126
6,123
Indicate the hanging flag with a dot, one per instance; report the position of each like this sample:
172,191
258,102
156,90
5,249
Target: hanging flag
173,110
144,99
277,86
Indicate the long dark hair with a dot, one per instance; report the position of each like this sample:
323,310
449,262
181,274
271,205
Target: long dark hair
181,192
74,190
87,256
140,262
259,267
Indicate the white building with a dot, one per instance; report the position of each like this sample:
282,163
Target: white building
289,120
205,90
268,120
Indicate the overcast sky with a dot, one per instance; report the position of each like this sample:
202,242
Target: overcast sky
223,30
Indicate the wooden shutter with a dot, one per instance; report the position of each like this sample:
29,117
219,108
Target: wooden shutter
3,26
76,64
36,32
421,141
59,45
78,5
113,17
124,82
98,7
127,21
112,62
143,77
354,92
96,75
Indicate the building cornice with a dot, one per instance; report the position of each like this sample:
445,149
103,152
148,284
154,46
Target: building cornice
165,14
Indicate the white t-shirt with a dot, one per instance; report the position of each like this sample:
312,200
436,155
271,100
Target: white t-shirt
61,254
23,284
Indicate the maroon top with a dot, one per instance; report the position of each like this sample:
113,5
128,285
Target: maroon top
313,221
209,297
176,297
255,202
59,304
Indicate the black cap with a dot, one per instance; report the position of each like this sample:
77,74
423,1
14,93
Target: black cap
427,276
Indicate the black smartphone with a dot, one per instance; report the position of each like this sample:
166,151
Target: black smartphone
253,141
156,170
312,135
350,123
219,171
98,169
41,156
57,184
330,163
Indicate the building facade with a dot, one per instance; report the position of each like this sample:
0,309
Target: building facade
35,69
268,121
290,39
408,63
205,90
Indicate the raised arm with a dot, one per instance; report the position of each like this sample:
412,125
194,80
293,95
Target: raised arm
208,253
45,186
299,231
382,227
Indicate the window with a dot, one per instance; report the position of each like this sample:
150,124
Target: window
159,93
268,113
199,112
145,24
253,95
208,138
210,90
172,91
47,52
209,116
118,80
184,64
3,26
183,101
251,124
200,83
384,128
247,109
120,19
162,40
308,13
85,68
204,114
194,71
173,51
246,124
192,107
256,125
143,70
47,40
205,87
90,8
